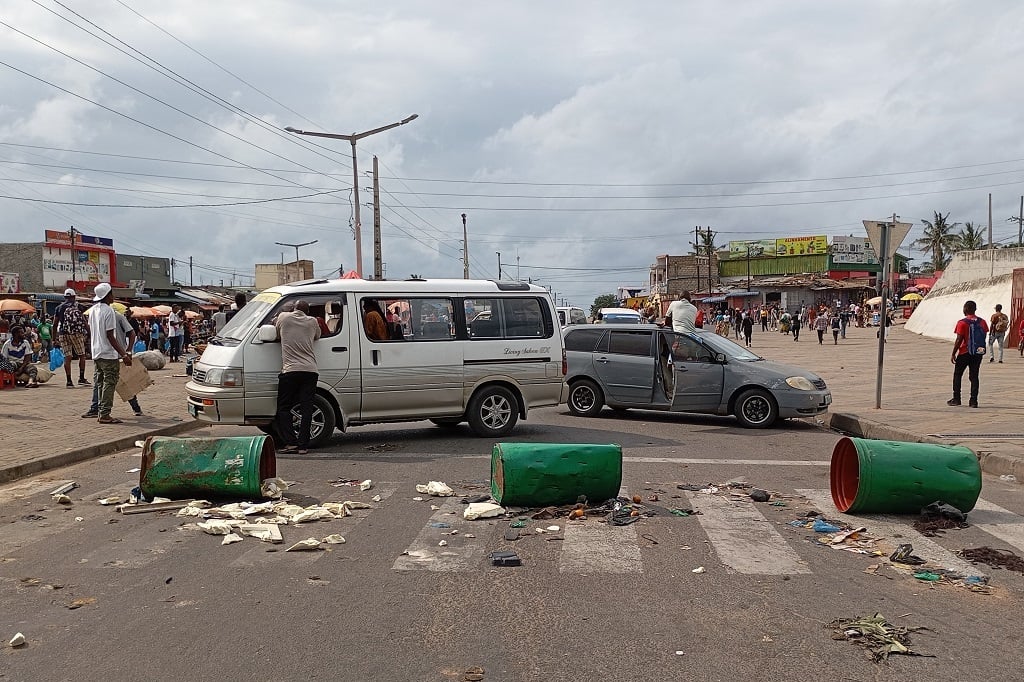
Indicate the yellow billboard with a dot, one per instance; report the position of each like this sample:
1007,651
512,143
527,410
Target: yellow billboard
802,246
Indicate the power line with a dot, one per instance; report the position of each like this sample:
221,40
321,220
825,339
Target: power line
233,203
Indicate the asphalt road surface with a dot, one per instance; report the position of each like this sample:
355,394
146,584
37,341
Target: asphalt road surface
159,600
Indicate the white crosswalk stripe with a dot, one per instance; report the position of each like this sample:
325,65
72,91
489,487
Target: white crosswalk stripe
894,529
998,522
462,553
257,553
745,541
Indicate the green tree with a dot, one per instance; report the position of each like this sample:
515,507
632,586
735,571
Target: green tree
969,238
603,301
938,240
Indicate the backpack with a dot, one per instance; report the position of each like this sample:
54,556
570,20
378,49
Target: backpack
975,336
1002,323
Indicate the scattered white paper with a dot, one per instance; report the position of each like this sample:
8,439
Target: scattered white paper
482,510
231,539
334,539
307,545
17,640
435,488
366,485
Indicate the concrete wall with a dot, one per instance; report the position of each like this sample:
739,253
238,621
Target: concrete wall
27,261
967,278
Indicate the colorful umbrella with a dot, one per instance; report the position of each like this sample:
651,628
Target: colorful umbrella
192,315
162,309
874,301
143,311
911,297
13,305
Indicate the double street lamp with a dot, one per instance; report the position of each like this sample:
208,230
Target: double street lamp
353,138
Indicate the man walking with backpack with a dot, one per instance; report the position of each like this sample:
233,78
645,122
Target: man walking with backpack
968,351
1000,323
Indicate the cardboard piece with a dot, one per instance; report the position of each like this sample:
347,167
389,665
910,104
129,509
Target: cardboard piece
132,381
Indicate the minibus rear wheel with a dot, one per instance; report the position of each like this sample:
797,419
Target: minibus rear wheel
493,411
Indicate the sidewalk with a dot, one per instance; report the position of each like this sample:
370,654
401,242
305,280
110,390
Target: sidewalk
43,429
917,382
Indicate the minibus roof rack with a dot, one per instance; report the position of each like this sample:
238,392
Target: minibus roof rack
505,285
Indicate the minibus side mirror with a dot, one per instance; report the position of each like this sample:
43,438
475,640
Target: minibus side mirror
267,334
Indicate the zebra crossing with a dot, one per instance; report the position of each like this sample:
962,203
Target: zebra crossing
741,537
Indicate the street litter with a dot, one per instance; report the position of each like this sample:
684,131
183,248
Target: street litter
474,674
505,559
273,488
17,640
699,569
683,512
436,488
822,526
879,637
66,488
337,483
440,524
152,507
1008,478
334,539
442,543
216,527
433,507
417,499
107,501
61,498
80,602
264,532
553,529
482,510
375,498
140,443
996,558
904,554
365,485
134,471
758,495
928,576
231,539
307,545
79,518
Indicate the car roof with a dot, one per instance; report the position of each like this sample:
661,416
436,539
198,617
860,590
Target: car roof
619,311
616,327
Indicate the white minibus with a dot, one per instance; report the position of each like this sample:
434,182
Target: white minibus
483,352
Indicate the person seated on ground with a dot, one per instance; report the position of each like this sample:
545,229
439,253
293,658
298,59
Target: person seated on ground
16,357
373,320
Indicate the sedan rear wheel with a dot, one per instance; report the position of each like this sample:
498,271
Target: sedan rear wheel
585,398
756,409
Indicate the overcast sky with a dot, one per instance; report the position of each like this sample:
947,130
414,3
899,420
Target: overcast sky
581,139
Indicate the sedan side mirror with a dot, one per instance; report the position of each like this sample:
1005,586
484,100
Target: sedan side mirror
720,358
267,334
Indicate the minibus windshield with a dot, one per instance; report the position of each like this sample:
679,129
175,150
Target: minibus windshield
242,323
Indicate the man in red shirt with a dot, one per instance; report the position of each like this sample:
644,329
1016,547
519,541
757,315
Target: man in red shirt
968,351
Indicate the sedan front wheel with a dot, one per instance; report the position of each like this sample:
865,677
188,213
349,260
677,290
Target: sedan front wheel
756,409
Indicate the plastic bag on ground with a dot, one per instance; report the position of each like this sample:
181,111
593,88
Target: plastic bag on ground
307,545
435,488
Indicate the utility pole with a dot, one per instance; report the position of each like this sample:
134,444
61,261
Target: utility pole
499,264
465,249
1019,219
74,258
991,246
696,251
378,259
748,266
190,271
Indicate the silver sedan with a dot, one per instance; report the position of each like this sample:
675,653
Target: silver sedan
652,368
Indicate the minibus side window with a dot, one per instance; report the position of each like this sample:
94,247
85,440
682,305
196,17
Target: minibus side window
508,318
326,309
417,319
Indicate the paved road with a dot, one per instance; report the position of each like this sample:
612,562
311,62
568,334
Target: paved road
590,602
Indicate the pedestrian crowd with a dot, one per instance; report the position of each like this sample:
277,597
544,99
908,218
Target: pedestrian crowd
106,332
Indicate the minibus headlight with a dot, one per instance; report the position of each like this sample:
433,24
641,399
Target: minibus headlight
224,377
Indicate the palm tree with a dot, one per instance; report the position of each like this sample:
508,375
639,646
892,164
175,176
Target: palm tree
970,238
938,240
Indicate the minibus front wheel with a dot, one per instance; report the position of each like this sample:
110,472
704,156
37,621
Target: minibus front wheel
493,411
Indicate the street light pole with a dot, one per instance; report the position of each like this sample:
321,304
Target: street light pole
298,268
353,138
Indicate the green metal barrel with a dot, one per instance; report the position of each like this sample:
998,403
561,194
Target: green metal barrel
886,476
206,467
545,474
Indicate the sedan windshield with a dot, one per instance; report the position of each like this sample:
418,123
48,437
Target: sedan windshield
732,351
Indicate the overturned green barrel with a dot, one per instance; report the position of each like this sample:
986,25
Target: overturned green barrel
546,474
206,467
885,476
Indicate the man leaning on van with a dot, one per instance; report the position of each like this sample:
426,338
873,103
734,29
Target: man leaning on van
297,381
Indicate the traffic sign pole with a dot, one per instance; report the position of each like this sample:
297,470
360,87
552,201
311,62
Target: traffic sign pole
884,236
